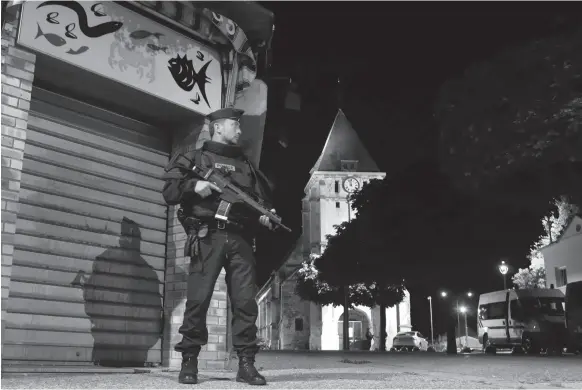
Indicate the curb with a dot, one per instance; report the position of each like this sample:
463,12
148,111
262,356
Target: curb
75,370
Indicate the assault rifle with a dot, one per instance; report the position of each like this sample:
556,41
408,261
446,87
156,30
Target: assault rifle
232,194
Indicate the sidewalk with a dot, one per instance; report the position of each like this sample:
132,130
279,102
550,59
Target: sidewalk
326,370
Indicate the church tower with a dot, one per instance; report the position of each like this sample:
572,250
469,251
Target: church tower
343,166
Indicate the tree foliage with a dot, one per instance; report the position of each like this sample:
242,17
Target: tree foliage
554,223
532,277
514,123
423,230
325,288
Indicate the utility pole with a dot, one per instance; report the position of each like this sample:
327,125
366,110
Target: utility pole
346,324
431,326
466,331
458,332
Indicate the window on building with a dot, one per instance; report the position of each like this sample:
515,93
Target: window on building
337,186
337,205
299,324
561,276
349,165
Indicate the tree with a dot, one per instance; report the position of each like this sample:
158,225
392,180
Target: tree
511,127
417,227
532,277
427,220
553,224
339,277
311,287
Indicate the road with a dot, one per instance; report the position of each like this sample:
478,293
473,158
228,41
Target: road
326,370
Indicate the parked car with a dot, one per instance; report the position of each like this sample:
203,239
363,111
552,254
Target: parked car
409,341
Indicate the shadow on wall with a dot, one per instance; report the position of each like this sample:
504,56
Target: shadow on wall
123,302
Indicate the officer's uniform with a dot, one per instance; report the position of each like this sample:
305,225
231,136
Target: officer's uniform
212,244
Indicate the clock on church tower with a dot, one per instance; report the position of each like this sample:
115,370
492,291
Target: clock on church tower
351,184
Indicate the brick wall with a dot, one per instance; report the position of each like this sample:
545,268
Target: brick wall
213,355
17,77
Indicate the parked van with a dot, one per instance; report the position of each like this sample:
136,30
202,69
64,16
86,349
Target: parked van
531,319
574,316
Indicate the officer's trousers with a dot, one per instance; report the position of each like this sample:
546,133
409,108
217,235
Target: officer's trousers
221,248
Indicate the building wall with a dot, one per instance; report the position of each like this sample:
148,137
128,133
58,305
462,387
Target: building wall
17,75
18,66
565,253
279,305
395,322
312,221
315,327
268,320
293,308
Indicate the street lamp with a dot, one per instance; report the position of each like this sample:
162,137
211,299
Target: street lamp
463,310
503,268
431,327
469,294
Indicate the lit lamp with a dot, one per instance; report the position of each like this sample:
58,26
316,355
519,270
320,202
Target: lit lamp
463,310
503,268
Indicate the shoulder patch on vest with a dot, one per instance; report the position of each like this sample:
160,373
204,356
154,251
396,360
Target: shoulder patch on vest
225,167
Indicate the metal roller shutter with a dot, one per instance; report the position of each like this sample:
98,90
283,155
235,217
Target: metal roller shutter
89,259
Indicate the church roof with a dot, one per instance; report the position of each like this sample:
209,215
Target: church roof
343,143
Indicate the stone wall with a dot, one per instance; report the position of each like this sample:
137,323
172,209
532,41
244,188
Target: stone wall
293,308
17,76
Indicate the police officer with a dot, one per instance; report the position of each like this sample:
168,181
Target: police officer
213,244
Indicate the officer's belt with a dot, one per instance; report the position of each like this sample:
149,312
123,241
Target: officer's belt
222,225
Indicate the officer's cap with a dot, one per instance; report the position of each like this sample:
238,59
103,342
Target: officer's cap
225,113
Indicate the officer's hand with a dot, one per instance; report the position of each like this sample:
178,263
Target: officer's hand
265,221
204,188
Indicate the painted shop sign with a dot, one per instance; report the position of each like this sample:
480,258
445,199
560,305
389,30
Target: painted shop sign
115,42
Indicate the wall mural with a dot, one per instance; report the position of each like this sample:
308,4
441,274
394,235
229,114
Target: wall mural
111,40
91,32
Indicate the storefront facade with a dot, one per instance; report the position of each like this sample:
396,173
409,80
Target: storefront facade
95,98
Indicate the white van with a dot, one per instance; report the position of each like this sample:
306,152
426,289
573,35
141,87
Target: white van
532,319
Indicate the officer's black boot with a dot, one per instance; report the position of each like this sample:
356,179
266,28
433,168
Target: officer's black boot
247,372
189,372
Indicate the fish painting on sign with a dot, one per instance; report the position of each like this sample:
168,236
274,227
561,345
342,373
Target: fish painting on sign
61,28
186,77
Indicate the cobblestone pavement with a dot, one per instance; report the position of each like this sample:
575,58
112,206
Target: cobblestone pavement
323,370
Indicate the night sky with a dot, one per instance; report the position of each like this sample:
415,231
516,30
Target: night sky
391,58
